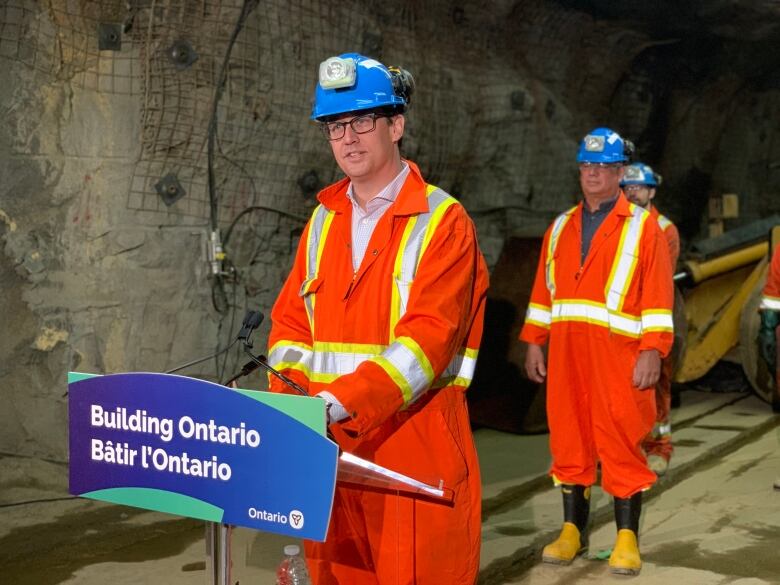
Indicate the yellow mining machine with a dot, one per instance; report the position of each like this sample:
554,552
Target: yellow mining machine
721,284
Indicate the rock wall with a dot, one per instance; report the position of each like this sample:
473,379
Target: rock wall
99,274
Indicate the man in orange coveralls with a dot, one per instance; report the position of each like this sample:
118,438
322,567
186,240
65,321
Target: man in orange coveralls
769,333
382,317
603,298
639,184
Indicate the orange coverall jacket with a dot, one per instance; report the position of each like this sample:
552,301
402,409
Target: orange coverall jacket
670,233
396,343
770,297
659,442
597,317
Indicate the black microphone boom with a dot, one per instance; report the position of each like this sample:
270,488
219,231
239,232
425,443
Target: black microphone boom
252,321
262,363
203,359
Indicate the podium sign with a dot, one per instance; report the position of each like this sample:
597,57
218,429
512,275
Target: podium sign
197,449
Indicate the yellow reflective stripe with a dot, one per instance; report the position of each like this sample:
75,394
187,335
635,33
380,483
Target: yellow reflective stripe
626,257
303,368
407,358
657,320
337,347
664,222
319,225
419,354
291,355
770,303
585,311
395,300
287,342
434,222
462,365
396,376
323,237
558,225
324,378
417,235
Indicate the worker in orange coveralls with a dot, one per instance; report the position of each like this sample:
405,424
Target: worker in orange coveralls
769,333
602,298
639,184
382,317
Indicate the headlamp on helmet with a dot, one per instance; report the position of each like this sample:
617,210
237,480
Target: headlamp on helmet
594,143
639,173
337,72
633,173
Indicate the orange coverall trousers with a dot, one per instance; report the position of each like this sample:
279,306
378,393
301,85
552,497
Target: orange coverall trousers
594,412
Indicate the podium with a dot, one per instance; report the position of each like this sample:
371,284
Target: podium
197,449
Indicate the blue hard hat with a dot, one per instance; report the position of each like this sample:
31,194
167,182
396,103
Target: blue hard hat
639,174
353,82
604,146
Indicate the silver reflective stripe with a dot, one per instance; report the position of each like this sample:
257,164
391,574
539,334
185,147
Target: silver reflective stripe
538,315
462,366
291,355
413,246
552,244
414,368
664,222
625,258
657,320
596,314
771,303
329,365
315,232
403,360
318,231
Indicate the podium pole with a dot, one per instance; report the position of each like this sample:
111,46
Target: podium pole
218,554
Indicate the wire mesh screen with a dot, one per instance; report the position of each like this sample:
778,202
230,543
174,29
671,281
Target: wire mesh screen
262,114
473,99
62,38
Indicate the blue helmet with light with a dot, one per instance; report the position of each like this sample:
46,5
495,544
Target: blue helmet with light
353,82
604,146
640,174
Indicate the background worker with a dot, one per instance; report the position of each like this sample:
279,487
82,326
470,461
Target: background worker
639,184
602,301
382,316
769,333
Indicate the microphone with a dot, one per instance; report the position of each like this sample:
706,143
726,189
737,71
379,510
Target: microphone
252,321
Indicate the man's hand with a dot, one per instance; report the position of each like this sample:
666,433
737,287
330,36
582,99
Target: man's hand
647,369
534,363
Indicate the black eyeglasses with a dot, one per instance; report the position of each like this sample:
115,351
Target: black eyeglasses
359,124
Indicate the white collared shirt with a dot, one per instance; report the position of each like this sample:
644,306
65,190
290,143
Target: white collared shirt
364,222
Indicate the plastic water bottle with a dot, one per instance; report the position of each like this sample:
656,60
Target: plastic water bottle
292,570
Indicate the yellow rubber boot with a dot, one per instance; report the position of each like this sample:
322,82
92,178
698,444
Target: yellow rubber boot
567,546
625,559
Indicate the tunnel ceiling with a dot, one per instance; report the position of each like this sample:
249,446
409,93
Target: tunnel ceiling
712,37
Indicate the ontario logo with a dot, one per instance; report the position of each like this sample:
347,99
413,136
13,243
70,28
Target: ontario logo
294,519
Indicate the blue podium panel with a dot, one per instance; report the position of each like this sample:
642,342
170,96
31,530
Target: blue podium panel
193,448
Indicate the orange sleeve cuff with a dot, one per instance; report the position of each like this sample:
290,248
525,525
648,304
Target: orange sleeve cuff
536,334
